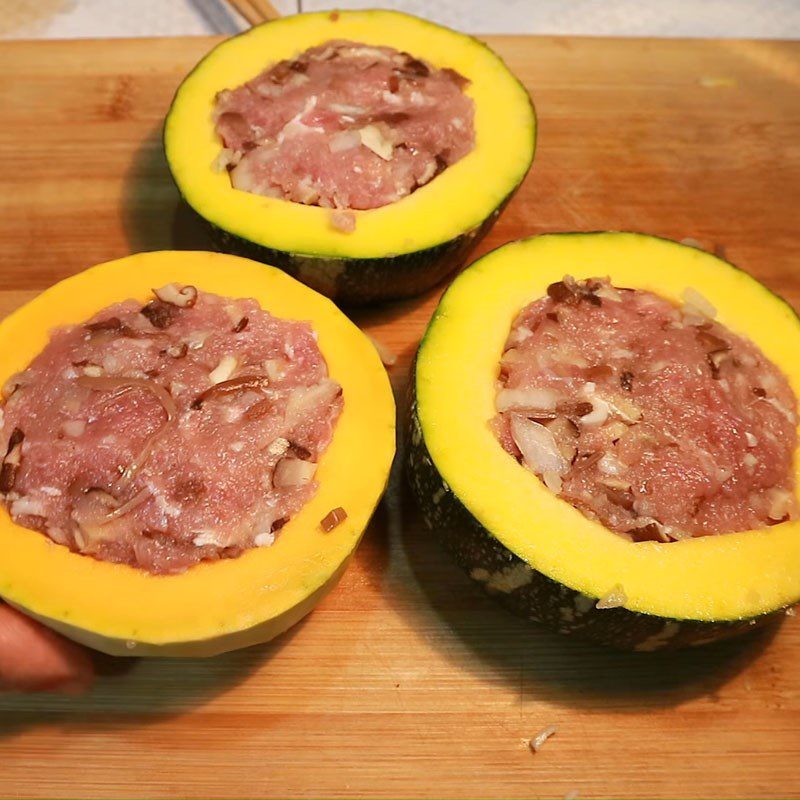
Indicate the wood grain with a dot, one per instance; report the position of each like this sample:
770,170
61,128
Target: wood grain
407,681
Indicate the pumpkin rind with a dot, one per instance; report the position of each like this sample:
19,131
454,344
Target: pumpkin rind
556,575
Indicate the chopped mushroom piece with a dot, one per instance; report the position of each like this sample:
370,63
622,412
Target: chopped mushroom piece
180,296
11,461
333,519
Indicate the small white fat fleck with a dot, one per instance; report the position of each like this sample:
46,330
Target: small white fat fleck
790,612
25,506
93,370
373,139
749,460
52,491
164,506
391,99
724,475
130,644
537,742
223,371
69,374
277,447
237,447
752,441
231,413
197,339
206,537
264,539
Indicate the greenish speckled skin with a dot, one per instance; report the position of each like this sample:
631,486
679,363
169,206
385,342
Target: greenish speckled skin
540,598
362,281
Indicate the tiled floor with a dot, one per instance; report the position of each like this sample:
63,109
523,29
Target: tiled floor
728,18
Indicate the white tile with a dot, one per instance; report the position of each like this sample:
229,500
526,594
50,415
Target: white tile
741,18
721,18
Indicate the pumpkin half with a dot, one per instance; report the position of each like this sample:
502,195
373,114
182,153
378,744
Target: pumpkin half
227,604
397,250
537,554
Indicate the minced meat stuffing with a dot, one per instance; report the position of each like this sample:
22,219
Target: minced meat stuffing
344,125
159,436
653,419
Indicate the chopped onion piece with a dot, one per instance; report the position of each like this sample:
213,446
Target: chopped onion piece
694,302
537,742
610,465
598,415
780,503
388,358
526,400
343,220
346,140
292,472
552,480
264,539
277,447
538,446
224,370
373,139
303,399
27,506
275,368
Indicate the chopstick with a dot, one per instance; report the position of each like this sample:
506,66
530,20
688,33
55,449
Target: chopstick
255,11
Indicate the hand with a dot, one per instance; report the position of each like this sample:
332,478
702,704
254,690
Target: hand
35,659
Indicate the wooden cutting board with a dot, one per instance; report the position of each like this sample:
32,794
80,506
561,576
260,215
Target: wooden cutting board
407,681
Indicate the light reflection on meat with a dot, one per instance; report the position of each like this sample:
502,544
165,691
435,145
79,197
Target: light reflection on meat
141,442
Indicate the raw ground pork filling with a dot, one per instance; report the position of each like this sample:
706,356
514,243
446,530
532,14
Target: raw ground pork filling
653,419
344,125
165,435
